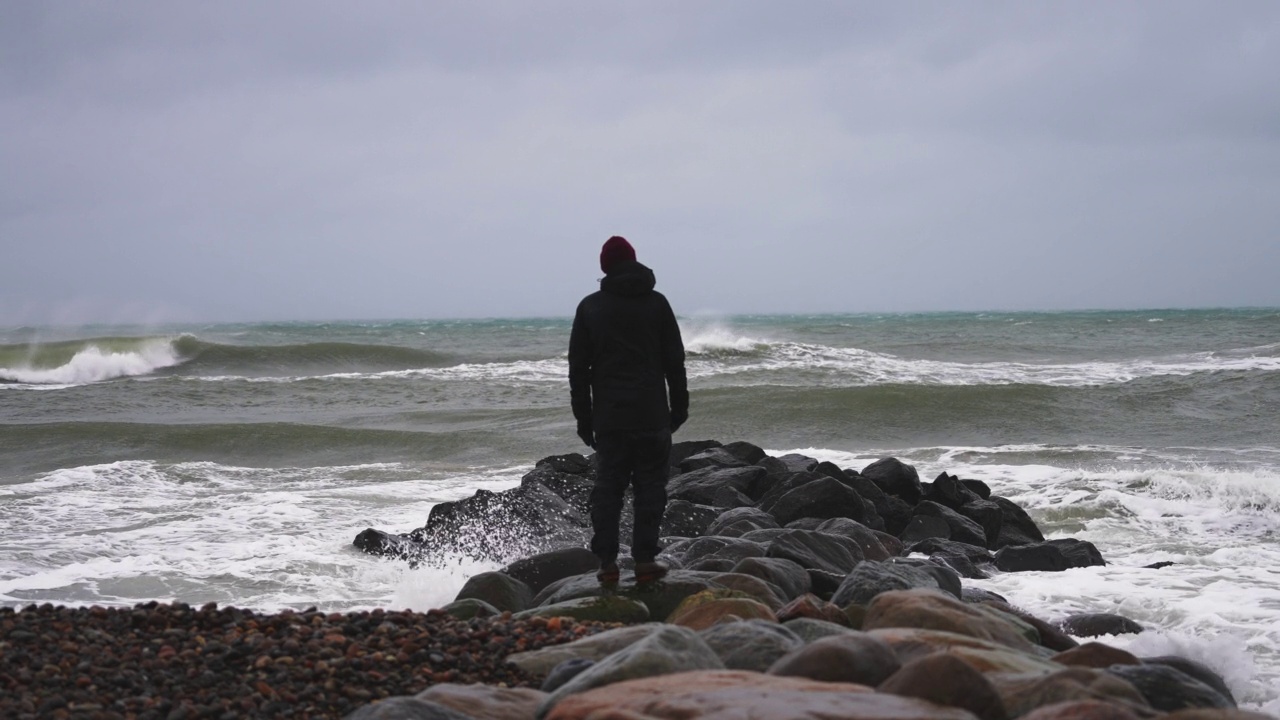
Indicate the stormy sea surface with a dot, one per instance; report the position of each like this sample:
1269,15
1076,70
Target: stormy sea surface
235,463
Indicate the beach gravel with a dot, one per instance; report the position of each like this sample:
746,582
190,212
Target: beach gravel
161,661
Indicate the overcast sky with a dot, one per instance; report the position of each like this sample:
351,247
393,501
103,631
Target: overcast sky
260,160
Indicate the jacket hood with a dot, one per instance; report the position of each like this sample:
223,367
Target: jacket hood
629,278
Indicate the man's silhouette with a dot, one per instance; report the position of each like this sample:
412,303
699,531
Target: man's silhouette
629,393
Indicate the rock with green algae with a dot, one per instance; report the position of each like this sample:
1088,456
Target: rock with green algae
604,608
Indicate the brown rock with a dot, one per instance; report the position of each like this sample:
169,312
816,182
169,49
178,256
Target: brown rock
486,701
1023,693
984,656
945,679
852,657
1081,710
1050,635
736,694
702,610
812,606
753,586
934,610
1096,655
1216,714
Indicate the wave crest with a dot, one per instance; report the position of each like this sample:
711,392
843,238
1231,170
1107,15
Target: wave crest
92,363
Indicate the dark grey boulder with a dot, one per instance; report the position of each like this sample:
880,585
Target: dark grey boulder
805,523
711,457
573,488
816,550
987,515
824,497
764,536
810,629
685,519
499,590
924,527
795,462
729,497
930,546
962,528
660,598
751,644
1041,557
850,657
1168,689
1051,636
739,521
539,571
830,469
865,537
1016,526
783,485
700,486
869,579
787,575
824,583
1095,624
378,542
745,451
1079,553
896,478
895,513
732,548
979,488
685,448
971,594
1199,671
949,491
572,463
948,578
711,563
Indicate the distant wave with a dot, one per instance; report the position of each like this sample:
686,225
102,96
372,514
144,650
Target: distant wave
304,358
87,361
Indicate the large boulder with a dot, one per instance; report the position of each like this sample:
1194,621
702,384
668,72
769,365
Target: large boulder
701,486
896,478
1095,655
685,448
729,548
573,488
987,515
711,457
489,525
935,610
670,649
1079,553
962,528
762,590
705,609
1016,526
485,701
1168,689
924,527
592,647
1040,557
948,490
851,657
816,550
1022,693
745,451
911,643
539,571
944,679
604,608
750,644
813,607
403,707
685,519
1085,710
499,590
781,485
1096,624
734,694
661,598
787,575
867,539
824,497
870,579
1199,671
740,521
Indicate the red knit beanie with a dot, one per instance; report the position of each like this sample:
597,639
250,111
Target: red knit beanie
616,249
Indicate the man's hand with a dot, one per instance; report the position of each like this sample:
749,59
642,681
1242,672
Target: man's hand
585,432
677,419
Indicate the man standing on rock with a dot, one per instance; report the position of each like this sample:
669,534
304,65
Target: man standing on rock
626,360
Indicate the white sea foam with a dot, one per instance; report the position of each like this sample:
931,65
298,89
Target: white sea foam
92,364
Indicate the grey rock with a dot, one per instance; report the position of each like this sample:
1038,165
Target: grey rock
539,571
740,521
816,550
1168,689
751,644
499,590
785,574
810,629
869,579
962,528
406,708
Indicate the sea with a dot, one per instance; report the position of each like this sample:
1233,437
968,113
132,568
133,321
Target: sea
235,463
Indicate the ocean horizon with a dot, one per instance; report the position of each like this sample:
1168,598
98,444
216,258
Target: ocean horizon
235,462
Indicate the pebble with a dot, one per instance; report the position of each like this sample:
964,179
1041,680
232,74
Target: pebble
157,661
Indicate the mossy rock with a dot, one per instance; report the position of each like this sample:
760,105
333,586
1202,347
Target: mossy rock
469,608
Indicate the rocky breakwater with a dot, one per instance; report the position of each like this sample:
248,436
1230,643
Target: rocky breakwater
798,590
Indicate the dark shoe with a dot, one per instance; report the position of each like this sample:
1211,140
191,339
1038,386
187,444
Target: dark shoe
647,572
608,573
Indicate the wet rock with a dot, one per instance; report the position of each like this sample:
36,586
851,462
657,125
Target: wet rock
499,590
896,478
851,657
987,515
686,448
1199,671
727,497
720,546
1095,655
1079,553
947,490
700,486
592,648
685,519
1168,689
978,595
936,610
1016,526
1041,557
713,458
485,701
944,679
1050,636
377,542
809,629
572,464
1082,710
940,546
404,708
561,674
924,527
814,607
795,462
764,591
745,451
736,694
661,597
785,574
604,608
962,528
1096,624
703,610
817,550
909,643
824,497
468,608
740,521
669,649
1023,693
870,579
866,538
539,571
750,644
948,579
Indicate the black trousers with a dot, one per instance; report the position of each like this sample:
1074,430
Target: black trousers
638,459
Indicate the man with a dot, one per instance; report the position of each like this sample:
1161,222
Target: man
626,360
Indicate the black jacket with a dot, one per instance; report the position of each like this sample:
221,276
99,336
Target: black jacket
626,355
